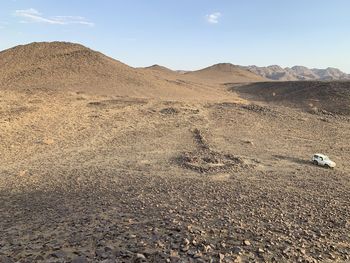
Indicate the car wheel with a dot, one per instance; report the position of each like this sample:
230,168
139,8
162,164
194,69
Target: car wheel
315,162
327,166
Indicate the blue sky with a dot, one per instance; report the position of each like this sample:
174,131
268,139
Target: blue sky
189,34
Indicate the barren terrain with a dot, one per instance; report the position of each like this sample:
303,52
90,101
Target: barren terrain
327,97
102,177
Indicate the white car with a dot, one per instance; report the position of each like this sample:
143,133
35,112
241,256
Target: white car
323,160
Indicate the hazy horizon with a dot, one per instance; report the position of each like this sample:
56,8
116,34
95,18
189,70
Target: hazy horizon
189,36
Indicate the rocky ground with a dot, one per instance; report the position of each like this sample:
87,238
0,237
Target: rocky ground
324,97
113,179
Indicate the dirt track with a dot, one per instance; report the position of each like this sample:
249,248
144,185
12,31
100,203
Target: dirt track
98,179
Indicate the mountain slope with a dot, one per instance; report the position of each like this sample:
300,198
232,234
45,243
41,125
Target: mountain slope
331,74
61,66
329,96
160,68
225,73
276,72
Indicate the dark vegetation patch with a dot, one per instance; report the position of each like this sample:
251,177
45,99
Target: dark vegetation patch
17,111
258,109
116,103
177,82
226,105
169,111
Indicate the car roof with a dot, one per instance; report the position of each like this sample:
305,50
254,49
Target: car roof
321,155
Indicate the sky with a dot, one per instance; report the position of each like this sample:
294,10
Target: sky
189,34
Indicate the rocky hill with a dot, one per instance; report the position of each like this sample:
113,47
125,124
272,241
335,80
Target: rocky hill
275,72
329,97
160,68
62,66
59,65
225,73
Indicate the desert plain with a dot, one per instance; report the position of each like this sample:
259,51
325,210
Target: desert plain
101,162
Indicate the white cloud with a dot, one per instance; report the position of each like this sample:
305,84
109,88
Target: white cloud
213,18
32,15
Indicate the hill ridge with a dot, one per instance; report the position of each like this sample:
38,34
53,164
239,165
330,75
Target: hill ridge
64,66
222,73
298,72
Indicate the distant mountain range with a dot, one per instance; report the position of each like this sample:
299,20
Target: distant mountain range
276,72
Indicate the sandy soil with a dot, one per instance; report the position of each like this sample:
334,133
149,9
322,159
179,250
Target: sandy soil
88,178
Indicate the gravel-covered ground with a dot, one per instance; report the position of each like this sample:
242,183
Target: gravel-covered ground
96,179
